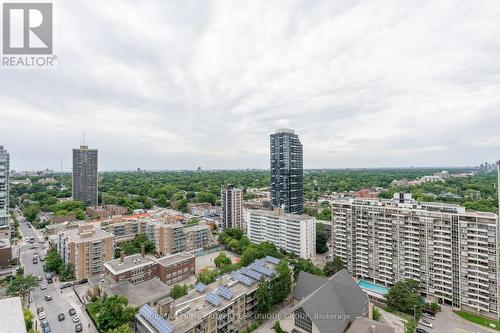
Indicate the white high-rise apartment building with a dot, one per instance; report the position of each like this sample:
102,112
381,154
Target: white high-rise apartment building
290,232
231,199
4,187
452,252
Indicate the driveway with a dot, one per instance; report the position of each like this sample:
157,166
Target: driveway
448,322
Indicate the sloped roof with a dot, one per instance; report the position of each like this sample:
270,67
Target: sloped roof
333,303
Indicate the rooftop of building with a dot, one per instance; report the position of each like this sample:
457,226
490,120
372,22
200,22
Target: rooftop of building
86,233
195,306
12,319
5,243
284,130
137,294
172,259
129,262
365,325
278,212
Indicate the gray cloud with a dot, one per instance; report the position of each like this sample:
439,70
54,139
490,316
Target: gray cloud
170,84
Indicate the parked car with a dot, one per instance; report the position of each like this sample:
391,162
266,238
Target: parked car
44,322
49,280
78,328
48,298
38,310
75,318
42,315
42,258
60,316
421,330
39,278
428,316
425,323
72,312
65,285
43,287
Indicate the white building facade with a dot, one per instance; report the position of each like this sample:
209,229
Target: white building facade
4,187
453,253
290,232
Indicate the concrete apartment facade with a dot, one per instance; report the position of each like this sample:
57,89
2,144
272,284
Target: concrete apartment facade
291,232
287,178
452,252
85,175
4,187
231,199
171,238
86,248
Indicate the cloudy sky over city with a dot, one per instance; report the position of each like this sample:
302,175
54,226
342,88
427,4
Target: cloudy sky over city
181,84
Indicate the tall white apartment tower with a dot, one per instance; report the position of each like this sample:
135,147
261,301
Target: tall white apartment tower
4,187
231,199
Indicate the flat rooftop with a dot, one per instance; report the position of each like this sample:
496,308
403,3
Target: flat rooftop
172,259
88,235
12,318
139,294
131,261
279,213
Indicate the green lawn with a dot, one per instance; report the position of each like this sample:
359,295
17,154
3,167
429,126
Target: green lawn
479,320
93,311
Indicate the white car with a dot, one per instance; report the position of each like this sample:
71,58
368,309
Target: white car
42,315
43,287
75,318
425,323
428,316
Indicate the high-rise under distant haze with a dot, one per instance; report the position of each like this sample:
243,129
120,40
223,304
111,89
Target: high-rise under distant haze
287,188
231,199
4,186
85,175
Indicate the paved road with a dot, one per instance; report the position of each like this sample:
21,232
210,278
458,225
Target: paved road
61,302
448,322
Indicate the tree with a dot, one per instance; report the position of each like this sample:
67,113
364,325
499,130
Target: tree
263,300
281,285
113,312
325,214
125,328
179,290
53,261
321,238
28,319
249,255
65,272
222,260
31,212
376,314
20,285
277,327
333,266
404,296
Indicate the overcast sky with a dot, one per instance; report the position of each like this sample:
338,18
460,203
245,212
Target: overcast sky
181,84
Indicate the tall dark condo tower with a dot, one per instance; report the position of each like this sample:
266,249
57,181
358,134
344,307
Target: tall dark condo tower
287,179
85,175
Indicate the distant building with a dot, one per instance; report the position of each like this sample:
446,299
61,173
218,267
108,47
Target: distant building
287,179
5,253
12,318
86,248
451,252
105,211
290,232
4,187
231,199
172,238
85,175
203,209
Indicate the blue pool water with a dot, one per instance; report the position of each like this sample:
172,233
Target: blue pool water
373,287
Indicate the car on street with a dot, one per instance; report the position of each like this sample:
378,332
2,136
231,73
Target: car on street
38,310
428,316
425,323
39,278
49,280
75,318
35,261
78,327
421,330
43,287
48,298
46,329
44,322
60,316
42,258
72,312
65,285
42,315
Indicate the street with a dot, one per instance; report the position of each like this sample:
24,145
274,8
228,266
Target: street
61,301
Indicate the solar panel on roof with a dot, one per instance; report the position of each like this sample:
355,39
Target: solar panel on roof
251,273
258,266
213,299
200,287
160,324
272,260
242,278
224,292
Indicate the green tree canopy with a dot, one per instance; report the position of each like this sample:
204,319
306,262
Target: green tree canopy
333,266
404,296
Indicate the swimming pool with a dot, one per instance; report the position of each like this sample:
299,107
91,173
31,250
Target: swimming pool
376,288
